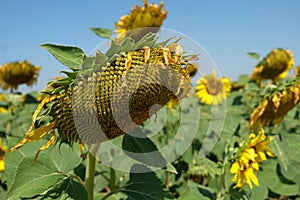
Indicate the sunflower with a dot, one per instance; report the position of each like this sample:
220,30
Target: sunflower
2,155
275,66
121,83
213,91
151,16
247,163
15,73
276,105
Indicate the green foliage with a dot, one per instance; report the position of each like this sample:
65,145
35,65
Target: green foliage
102,32
71,57
143,185
50,175
254,55
59,172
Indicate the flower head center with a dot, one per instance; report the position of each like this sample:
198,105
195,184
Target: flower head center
214,86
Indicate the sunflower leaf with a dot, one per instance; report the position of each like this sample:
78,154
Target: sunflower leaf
100,60
142,149
27,180
144,185
114,49
196,191
69,56
271,177
102,32
254,55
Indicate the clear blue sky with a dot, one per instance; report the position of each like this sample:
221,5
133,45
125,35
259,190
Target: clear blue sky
226,29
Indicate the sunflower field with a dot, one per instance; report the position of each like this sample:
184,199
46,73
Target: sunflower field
139,120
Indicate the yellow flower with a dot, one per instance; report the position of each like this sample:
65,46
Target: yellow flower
105,81
274,66
3,110
247,164
172,103
275,107
151,15
213,91
2,155
15,73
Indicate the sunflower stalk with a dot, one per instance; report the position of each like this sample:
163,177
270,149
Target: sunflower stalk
90,175
112,181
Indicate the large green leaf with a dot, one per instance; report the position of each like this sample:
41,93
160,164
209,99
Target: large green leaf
25,179
196,191
294,151
270,177
138,146
144,186
2,193
66,188
260,192
70,56
281,150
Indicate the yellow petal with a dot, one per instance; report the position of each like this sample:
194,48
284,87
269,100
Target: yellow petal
38,110
35,135
250,177
235,167
46,146
255,166
1,165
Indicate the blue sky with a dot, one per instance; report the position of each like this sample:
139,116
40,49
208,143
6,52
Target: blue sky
225,29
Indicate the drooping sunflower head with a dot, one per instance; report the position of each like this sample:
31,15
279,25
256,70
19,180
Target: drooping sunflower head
275,66
212,90
112,96
277,103
2,155
150,15
15,73
252,153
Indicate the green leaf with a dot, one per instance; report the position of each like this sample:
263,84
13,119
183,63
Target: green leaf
198,192
52,166
71,75
100,60
69,56
294,151
2,193
113,49
270,177
171,168
138,146
280,149
165,42
148,40
127,44
144,186
66,188
260,192
253,55
88,63
234,194
243,79
102,32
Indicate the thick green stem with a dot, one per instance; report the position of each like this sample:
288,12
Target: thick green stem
90,175
112,182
